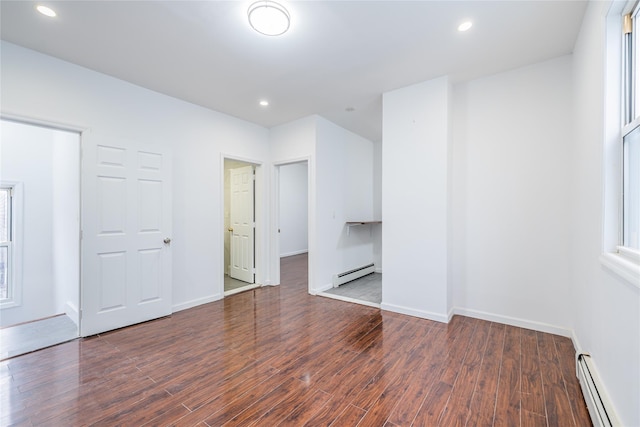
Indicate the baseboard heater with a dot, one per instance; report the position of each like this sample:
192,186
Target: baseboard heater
356,273
599,406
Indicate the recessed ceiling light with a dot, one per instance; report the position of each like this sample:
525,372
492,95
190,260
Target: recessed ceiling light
264,103
465,26
46,11
268,18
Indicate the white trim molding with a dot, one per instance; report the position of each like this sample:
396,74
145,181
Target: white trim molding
622,266
303,251
514,321
196,302
348,299
438,317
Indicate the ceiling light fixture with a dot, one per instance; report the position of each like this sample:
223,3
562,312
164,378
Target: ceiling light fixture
46,11
269,18
465,26
264,103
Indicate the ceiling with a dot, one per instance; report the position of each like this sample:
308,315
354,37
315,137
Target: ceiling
337,55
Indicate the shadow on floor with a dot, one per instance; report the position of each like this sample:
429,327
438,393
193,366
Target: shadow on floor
27,337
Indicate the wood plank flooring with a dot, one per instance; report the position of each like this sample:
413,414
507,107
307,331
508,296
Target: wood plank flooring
277,356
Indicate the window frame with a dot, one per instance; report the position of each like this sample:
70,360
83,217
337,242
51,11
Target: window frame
623,248
15,246
619,120
631,111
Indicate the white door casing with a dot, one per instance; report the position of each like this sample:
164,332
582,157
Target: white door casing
242,225
126,218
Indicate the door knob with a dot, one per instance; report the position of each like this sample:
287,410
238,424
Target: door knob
167,241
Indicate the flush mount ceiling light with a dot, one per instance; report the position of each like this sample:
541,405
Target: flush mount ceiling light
264,103
465,26
268,18
46,11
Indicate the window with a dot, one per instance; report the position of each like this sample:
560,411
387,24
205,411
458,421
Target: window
630,224
621,214
6,238
631,189
10,244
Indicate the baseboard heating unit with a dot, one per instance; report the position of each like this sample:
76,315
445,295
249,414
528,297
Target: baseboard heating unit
600,408
356,273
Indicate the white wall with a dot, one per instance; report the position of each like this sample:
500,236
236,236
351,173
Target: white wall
606,308
66,222
41,87
25,157
293,209
415,161
512,167
344,182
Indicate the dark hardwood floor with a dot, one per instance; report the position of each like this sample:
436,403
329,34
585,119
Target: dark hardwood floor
277,356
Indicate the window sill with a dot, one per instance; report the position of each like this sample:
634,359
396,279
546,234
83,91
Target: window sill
624,265
9,304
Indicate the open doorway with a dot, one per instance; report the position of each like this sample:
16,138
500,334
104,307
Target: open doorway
40,237
240,226
292,201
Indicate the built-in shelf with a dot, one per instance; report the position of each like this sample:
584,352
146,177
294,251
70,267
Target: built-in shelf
359,223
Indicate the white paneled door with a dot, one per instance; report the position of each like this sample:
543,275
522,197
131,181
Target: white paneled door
241,219
126,228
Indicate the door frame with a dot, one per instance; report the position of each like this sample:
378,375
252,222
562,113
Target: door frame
81,131
261,277
275,223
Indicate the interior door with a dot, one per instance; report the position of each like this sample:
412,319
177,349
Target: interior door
126,229
242,224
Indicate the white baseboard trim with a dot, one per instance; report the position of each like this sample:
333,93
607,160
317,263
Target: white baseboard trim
438,317
242,289
576,345
321,289
71,310
196,302
303,251
514,321
348,299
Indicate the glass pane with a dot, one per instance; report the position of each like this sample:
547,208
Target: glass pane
4,272
631,211
4,215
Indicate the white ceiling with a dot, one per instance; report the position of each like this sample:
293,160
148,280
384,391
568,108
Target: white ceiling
337,54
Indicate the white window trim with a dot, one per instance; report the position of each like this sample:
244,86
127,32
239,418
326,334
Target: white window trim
622,266
17,213
618,260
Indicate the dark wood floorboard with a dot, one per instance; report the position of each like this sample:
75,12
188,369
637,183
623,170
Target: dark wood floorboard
278,356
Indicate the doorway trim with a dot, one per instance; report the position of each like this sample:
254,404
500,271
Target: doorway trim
260,245
81,131
275,219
